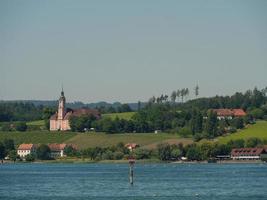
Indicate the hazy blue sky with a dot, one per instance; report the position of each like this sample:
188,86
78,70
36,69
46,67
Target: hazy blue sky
130,50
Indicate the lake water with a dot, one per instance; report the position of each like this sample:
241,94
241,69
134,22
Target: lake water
151,181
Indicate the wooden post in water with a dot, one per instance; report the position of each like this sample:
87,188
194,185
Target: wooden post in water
131,164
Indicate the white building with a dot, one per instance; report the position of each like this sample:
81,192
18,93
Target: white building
25,149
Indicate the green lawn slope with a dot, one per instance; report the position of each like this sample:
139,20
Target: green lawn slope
37,137
258,130
103,140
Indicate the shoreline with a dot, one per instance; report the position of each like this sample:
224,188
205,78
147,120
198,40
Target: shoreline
147,161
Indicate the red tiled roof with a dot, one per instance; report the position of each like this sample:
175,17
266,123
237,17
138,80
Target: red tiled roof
131,145
26,146
230,112
239,112
247,152
56,147
59,147
77,113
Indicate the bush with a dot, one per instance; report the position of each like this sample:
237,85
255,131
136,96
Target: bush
6,127
142,154
108,155
21,126
193,153
257,113
70,151
30,158
238,123
232,130
118,155
185,132
164,152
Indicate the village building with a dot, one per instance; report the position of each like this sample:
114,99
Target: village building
229,113
248,153
131,146
57,150
60,120
26,149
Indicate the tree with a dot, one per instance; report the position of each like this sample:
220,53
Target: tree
164,152
257,113
13,155
196,91
193,153
43,152
21,126
178,94
82,122
211,124
253,142
139,105
238,123
2,151
142,154
69,150
29,157
196,122
9,145
173,96
239,143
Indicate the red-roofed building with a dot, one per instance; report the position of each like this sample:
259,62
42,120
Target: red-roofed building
131,146
229,113
247,153
60,120
57,150
25,149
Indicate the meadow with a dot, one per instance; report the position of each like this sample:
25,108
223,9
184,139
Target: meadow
36,137
258,130
125,115
146,140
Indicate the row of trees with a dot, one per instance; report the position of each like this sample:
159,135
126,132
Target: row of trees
176,96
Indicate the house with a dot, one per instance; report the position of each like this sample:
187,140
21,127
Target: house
56,150
131,146
248,153
229,113
25,149
60,120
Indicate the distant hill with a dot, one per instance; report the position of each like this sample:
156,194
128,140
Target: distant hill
78,104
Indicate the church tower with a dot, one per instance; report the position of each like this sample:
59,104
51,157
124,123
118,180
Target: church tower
61,106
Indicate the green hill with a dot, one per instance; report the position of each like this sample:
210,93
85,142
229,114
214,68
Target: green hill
258,130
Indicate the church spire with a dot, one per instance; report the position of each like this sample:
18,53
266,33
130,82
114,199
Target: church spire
62,91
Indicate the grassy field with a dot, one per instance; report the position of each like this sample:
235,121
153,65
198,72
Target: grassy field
36,137
36,123
258,130
147,140
125,115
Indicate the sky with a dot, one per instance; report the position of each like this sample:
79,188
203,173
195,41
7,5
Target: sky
130,50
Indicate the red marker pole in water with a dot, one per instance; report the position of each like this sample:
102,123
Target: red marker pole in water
131,164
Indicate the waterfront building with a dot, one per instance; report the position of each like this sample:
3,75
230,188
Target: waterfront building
131,146
25,149
248,153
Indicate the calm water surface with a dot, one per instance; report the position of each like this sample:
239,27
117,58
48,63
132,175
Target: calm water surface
152,181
